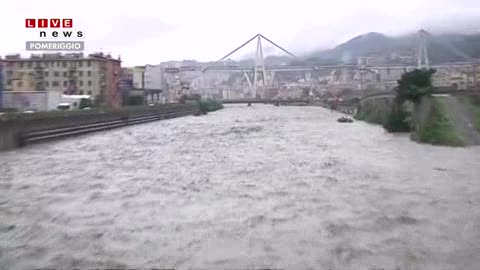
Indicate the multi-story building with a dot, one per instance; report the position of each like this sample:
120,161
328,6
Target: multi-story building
153,77
138,77
96,75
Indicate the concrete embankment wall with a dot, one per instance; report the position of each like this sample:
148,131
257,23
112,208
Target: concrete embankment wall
13,127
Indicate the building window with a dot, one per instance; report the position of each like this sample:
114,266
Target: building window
80,73
19,83
89,64
9,72
46,84
89,92
46,73
31,84
65,83
29,64
58,64
21,64
9,82
80,83
56,73
65,74
52,63
55,83
64,64
20,74
81,92
89,83
89,73
80,63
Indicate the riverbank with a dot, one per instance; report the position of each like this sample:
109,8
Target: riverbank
437,120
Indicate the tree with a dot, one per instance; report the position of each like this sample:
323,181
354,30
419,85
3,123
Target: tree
413,85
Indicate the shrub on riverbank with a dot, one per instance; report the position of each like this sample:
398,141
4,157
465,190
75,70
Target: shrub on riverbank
209,105
372,113
438,128
398,121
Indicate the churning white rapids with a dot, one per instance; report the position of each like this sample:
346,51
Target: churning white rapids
241,188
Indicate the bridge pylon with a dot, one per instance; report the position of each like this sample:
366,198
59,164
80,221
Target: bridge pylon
259,79
422,52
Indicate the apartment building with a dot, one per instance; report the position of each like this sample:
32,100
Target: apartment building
96,75
153,77
138,77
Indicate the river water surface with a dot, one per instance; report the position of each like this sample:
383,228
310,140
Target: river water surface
244,187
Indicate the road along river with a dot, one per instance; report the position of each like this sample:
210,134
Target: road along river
244,187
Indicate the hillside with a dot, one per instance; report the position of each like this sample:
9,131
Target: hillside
441,48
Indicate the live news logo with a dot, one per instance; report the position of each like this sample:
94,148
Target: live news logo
48,23
54,31
53,24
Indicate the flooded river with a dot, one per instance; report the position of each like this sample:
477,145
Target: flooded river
244,187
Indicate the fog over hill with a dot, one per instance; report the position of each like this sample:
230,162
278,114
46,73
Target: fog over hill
442,47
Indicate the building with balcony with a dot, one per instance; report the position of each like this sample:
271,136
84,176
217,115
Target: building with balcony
95,75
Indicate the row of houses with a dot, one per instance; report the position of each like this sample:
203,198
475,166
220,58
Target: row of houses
95,75
39,81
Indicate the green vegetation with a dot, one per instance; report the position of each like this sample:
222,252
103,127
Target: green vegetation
411,87
477,118
372,113
209,105
398,121
439,128
134,101
414,85
205,105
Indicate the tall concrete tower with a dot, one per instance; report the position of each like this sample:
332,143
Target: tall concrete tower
259,70
422,53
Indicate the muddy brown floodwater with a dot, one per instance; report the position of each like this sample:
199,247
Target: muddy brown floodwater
244,187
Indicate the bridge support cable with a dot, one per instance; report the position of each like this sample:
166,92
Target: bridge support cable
234,51
278,46
257,36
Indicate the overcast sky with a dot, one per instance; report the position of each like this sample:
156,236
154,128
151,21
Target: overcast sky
153,31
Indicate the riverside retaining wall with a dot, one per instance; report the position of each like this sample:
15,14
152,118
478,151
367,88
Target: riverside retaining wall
15,127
